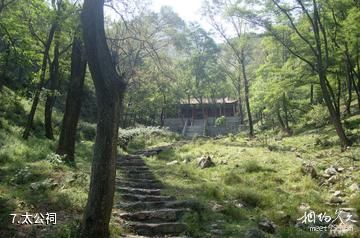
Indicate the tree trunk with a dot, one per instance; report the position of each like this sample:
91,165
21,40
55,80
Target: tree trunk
109,87
36,99
282,125
334,116
311,94
66,144
50,99
247,102
241,112
162,115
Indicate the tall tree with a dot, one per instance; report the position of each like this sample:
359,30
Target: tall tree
314,48
237,44
66,144
109,88
47,45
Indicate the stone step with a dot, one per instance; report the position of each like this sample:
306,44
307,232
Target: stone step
134,168
125,163
157,229
154,216
129,157
141,185
136,180
137,206
145,175
146,198
140,191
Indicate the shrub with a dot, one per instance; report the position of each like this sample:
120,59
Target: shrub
232,178
249,196
252,166
317,116
220,121
87,130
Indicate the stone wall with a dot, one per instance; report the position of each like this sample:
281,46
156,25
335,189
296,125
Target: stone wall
231,125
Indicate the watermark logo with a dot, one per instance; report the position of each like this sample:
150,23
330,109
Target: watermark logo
324,222
49,218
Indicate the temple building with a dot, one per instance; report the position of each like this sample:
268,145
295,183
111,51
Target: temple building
195,109
197,117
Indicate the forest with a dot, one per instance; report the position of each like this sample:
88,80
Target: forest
118,119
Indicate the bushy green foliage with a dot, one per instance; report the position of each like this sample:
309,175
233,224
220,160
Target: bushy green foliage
87,130
251,166
318,116
220,121
139,137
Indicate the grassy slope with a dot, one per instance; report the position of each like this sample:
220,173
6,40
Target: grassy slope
269,183
31,180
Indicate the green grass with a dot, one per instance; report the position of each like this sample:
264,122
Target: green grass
30,180
267,183
253,178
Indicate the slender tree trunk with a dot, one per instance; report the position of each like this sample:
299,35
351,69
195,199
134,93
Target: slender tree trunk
3,75
109,87
67,137
357,91
162,115
311,94
324,84
36,99
50,99
281,122
247,101
241,112
334,116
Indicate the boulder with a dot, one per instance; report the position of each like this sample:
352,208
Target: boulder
336,200
333,179
304,207
267,226
331,171
338,193
205,162
354,187
172,162
308,169
254,233
217,208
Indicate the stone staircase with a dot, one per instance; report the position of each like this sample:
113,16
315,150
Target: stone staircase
194,130
146,212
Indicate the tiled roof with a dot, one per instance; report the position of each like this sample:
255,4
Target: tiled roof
194,101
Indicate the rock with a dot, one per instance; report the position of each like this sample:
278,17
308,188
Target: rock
341,230
308,169
267,226
254,233
331,171
218,208
338,193
354,187
304,207
349,215
217,232
336,200
185,161
293,149
172,162
205,162
326,175
333,179
340,169
239,205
